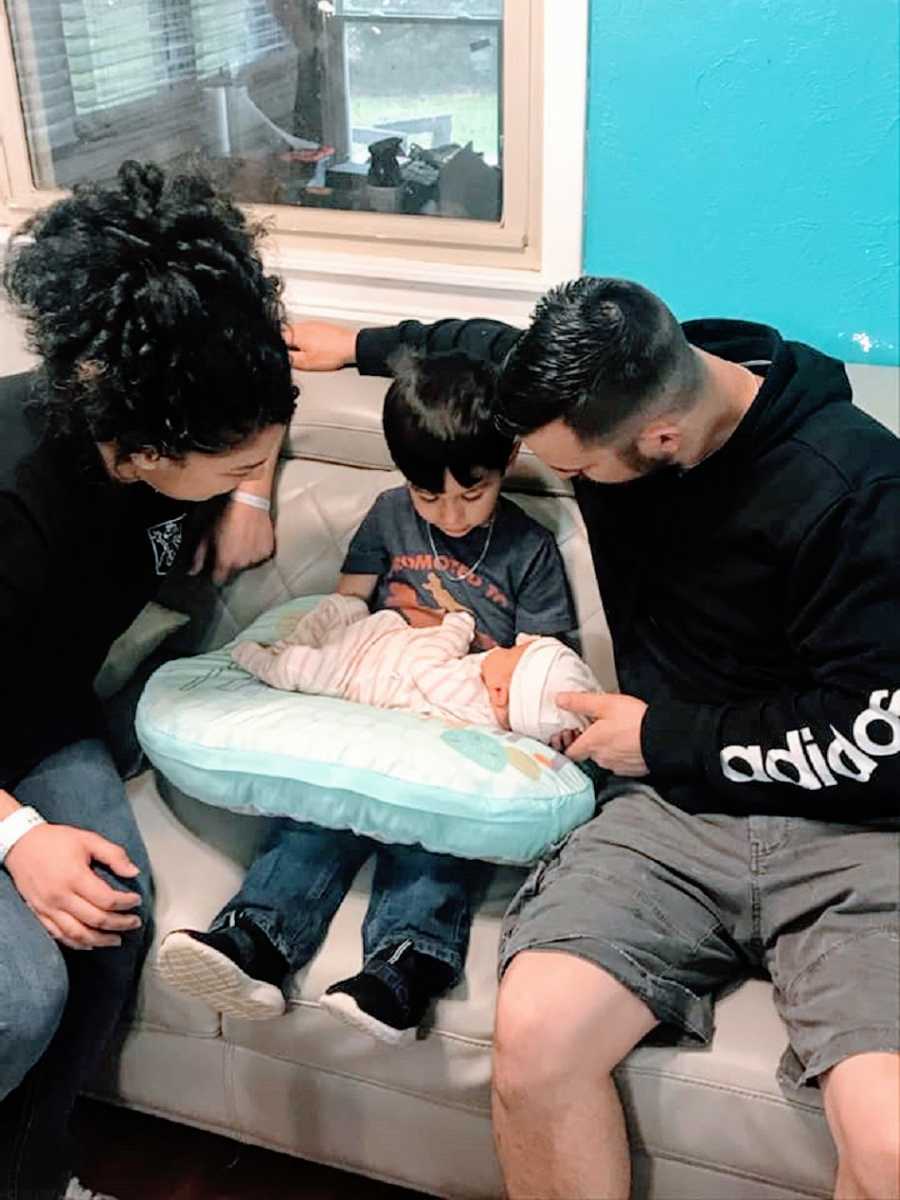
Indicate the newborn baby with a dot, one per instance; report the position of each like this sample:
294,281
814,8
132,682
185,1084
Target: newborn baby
341,649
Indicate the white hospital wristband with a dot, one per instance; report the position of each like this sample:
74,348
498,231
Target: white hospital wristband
259,502
15,826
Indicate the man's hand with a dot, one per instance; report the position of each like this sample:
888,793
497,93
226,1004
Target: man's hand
613,740
242,537
320,346
51,868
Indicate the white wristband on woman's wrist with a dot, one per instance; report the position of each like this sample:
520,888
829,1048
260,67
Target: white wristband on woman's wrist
253,501
15,826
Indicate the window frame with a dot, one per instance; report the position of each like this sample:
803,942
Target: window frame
360,266
499,242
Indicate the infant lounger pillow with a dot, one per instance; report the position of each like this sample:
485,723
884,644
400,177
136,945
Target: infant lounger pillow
228,739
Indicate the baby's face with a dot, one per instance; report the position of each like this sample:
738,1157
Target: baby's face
497,668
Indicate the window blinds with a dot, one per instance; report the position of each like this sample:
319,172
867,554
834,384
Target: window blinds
75,58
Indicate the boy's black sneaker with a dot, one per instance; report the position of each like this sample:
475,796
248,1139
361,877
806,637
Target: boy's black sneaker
235,970
389,997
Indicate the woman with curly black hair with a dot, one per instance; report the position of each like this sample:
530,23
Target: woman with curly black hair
162,366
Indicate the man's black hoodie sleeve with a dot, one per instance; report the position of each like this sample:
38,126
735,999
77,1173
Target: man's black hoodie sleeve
838,739
489,341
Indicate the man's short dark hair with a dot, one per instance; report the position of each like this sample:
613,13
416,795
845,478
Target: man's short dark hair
439,416
598,352
155,322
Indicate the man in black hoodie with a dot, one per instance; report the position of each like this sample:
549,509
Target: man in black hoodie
744,522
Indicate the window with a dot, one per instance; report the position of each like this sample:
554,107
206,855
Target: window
363,105
391,132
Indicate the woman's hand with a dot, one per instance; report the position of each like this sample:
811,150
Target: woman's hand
242,537
51,868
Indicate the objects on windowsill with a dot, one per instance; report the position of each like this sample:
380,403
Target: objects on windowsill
420,175
448,180
469,187
346,177
384,169
318,197
384,181
301,170
236,125
314,155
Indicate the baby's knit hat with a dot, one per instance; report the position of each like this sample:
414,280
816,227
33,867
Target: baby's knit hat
545,669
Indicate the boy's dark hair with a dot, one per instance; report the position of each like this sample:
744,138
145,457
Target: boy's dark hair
439,416
597,353
155,322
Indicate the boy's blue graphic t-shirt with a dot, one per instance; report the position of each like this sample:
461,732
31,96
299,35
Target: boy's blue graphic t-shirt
519,587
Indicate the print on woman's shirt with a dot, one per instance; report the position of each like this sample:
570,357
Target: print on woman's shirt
165,538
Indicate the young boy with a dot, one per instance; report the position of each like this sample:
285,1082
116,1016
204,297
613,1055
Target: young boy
445,542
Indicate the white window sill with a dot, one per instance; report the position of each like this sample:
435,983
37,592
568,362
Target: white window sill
380,291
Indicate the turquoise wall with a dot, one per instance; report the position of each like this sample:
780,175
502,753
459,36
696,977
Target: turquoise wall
743,161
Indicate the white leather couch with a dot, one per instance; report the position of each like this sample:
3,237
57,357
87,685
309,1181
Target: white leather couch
705,1124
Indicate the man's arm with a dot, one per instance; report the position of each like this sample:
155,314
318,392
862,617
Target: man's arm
837,741
319,346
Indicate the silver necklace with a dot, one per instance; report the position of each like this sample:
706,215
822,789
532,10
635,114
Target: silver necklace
474,567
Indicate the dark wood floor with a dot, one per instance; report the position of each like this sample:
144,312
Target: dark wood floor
135,1157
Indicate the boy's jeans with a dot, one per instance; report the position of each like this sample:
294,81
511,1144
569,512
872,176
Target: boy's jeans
295,886
59,1007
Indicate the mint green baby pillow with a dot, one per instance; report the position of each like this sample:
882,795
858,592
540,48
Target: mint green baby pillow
225,738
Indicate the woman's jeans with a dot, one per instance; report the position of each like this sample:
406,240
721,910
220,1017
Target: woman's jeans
295,886
60,1007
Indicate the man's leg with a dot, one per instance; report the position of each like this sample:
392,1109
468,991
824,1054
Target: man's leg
78,786
619,930
830,919
862,1104
557,1115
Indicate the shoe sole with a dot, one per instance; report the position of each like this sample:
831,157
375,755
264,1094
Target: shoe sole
199,971
345,1008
